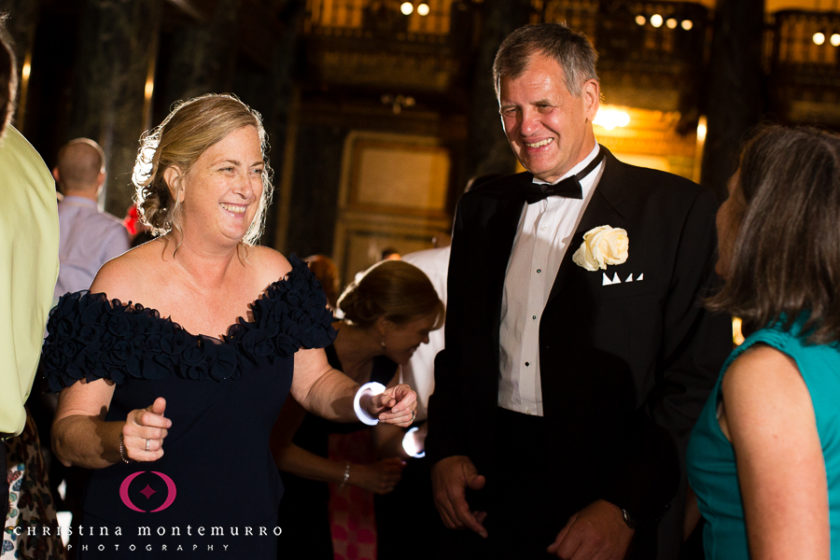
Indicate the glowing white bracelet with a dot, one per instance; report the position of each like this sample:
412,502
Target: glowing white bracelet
373,388
412,445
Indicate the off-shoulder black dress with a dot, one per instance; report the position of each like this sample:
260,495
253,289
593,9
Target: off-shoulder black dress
216,489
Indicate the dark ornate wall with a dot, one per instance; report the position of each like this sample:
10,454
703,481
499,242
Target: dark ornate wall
736,96
316,82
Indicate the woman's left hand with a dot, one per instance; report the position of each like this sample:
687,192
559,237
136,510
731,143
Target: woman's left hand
396,405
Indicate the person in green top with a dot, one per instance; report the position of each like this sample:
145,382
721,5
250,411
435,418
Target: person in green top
764,456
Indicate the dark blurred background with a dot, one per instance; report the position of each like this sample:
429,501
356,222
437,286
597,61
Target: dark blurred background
380,111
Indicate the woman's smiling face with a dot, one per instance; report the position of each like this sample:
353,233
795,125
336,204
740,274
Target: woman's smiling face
222,190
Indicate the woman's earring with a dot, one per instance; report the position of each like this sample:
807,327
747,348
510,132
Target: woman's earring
382,343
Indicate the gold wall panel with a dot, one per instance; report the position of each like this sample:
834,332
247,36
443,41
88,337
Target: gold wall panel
393,194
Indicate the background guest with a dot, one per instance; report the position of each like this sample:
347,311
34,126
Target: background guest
138,232
89,236
409,507
388,313
326,271
390,254
764,457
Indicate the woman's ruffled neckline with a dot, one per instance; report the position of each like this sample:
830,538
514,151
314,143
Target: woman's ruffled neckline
92,337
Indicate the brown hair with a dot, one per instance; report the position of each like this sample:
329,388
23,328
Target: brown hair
187,132
572,51
395,290
326,271
786,255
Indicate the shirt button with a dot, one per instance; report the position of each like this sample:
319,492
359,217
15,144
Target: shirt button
527,364
539,270
533,317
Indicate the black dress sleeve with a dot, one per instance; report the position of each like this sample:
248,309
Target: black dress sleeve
91,337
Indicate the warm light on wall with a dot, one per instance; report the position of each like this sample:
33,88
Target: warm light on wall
611,117
737,335
819,38
656,20
699,146
397,102
149,89
701,129
25,72
407,8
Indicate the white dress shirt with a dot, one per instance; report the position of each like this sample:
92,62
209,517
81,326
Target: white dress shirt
542,239
419,371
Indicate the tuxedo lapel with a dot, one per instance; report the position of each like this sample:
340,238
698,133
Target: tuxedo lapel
604,208
504,212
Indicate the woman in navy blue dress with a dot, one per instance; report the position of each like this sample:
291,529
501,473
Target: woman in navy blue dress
173,367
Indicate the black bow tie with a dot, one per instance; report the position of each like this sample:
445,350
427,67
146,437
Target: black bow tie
568,187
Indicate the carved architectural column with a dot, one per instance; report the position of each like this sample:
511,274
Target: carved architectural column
281,122
117,49
487,148
202,54
735,99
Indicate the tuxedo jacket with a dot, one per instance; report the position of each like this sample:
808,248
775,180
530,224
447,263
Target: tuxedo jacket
627,354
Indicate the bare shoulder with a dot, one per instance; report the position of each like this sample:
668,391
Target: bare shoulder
124,277
760,368
269,265
763,387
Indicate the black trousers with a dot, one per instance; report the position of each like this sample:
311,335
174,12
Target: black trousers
530,494
520,496
407,523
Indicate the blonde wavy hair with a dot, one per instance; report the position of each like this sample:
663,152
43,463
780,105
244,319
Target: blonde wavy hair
179,140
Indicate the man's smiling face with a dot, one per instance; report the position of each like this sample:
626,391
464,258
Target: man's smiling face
548,127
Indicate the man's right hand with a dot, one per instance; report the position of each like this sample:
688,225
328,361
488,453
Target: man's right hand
450,477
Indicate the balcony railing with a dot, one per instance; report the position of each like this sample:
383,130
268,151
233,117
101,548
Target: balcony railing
369,17
806,46
649,33
654,52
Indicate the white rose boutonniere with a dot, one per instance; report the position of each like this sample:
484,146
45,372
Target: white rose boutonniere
602,246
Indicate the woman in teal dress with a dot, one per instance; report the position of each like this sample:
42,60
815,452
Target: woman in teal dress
764,456
173,368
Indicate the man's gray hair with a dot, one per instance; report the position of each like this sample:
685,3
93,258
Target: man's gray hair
573,51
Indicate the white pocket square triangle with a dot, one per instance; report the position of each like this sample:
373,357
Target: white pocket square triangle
606,281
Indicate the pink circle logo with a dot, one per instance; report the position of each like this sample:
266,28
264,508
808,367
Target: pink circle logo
148,492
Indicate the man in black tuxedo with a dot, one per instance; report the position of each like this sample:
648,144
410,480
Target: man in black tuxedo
577,356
